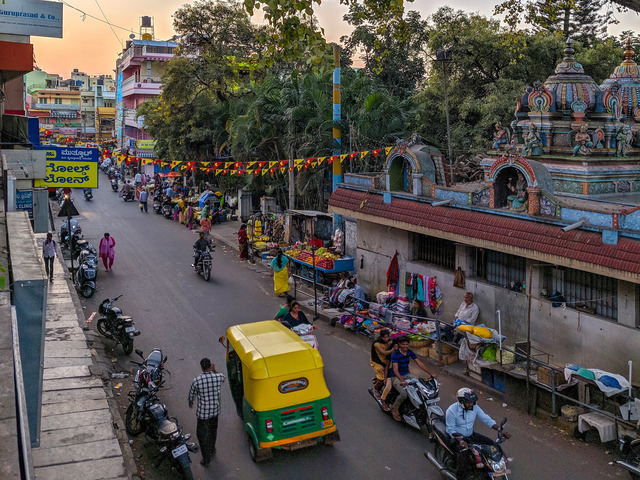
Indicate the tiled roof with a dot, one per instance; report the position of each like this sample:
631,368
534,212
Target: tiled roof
578,245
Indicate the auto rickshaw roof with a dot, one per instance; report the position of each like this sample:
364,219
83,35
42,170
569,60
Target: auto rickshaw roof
268,350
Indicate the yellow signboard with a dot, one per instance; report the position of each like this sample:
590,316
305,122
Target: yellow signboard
74,167
145,144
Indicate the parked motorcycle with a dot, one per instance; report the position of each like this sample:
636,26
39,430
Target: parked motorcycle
420,409
157,202
88,255
203,265
490,460
63,235
151,370
84,279
114,184
116,326
128,195
147,415
88,194
167,207
630,448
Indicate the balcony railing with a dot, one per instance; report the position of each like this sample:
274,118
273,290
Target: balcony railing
56,106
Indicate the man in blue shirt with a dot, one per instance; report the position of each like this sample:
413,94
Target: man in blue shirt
460,418
400,360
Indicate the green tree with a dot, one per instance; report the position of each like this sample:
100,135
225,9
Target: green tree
393,55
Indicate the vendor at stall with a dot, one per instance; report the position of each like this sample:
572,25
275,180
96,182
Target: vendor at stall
316,242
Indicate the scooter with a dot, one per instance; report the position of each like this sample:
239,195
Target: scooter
84,279
88,194
63,235
420,409
128,195
167,209
630,448
490,460
114,184
157,202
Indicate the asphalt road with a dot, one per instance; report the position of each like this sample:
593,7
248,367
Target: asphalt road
178,311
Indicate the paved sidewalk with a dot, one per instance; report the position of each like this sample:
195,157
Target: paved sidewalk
78,439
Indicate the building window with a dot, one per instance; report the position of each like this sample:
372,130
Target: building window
43,100
58,101
502,269
584,291
434,250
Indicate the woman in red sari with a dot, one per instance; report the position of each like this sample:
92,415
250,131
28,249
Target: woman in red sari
243,242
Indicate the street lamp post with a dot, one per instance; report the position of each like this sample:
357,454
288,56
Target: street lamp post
444,56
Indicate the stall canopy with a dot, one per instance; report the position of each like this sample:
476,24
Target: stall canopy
301,224
171,174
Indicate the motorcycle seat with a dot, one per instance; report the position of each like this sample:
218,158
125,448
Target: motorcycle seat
441,428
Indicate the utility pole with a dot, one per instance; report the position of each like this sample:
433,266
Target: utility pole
292,187
444,56
337,141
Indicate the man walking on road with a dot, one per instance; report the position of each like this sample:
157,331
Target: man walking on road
144,196
207,388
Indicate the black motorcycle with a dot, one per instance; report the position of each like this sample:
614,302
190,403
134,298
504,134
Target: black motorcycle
65,239
490,460
157,202
84,279
203,265
115,326
167,207
147,415
88,194
128,195
151,370
630,449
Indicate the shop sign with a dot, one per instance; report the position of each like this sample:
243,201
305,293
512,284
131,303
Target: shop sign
70,167
145,144
31,17
24,201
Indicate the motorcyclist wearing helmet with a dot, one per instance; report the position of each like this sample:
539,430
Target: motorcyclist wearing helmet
202,245
460,418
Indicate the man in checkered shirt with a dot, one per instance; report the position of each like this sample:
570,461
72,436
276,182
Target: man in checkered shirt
207,388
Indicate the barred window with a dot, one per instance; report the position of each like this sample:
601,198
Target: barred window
584,291
435,250
501,268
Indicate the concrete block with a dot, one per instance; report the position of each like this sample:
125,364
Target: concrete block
67,345
76,453
75,435
59,350
74,406
56,373
75,419
53,362
62,396
90,470
71,384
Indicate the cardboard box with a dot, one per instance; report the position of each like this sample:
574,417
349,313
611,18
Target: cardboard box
422,351
450,358
544,376
433,353
507,357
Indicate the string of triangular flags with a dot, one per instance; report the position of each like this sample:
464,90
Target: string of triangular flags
256,167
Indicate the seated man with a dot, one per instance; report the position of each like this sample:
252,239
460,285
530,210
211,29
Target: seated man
466,314
201,245
399,370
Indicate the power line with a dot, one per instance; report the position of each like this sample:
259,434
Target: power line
109,23
85,14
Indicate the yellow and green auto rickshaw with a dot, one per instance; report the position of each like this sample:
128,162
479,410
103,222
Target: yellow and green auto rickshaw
278,387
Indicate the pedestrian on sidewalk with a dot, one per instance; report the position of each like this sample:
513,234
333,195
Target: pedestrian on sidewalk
280,274
206,387
144,197
243,242
107,253
49,252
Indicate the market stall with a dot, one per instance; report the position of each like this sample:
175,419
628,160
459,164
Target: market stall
327,265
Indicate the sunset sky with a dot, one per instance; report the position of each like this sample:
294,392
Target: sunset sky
90,46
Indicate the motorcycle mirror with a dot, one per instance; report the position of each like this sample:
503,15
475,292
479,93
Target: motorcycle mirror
139,353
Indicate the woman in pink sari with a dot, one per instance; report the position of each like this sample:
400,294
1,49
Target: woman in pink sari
107,253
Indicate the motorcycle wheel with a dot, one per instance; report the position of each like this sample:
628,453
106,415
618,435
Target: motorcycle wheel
131,423
127,345
445,458
103,328
206,272
185,470
87,292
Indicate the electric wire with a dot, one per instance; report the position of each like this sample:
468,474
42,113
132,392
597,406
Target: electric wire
109,23
94,17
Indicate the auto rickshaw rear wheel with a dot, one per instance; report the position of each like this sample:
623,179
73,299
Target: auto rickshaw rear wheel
258,454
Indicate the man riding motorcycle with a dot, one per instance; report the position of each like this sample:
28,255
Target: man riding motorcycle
201,245
460,418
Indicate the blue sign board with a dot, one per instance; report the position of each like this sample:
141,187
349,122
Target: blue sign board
24,201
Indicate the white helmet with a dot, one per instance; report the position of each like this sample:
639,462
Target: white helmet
467,394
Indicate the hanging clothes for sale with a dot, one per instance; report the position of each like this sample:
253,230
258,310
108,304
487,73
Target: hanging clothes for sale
435,296
393,274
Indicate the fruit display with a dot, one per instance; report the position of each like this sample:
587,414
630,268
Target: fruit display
323,257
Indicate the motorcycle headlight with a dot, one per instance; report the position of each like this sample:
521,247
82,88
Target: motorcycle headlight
499,466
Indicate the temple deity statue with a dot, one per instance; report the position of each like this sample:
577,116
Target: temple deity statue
532,142
582,140
500,136
623,141
518,196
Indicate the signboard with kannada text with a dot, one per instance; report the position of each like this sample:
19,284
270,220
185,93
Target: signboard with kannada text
74,167
24,201
145,144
